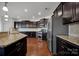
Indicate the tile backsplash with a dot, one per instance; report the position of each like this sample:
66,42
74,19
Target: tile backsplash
74,30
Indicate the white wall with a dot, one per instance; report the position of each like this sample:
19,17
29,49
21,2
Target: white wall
74,30
5,25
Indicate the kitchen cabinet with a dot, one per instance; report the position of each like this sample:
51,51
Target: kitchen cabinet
13,44
77,11
16,49
42,22
44,36
55,13
70,12
65,48
25,24
59,11
67,12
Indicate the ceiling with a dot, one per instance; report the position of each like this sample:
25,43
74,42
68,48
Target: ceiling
16,9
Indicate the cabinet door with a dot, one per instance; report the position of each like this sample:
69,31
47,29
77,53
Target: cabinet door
72,48
67,12
60,47
58,11
77,11
55,13
17,48
66,48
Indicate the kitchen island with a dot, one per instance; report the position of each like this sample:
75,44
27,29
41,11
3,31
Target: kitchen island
12,44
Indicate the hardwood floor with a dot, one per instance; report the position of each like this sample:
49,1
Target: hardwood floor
37,47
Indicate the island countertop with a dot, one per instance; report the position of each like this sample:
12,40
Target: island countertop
7,39
72,39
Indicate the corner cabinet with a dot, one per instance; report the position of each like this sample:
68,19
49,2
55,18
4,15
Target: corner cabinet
65,48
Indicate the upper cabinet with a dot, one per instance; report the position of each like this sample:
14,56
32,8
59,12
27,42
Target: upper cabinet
42,22
59,9
29,24
69,12
58,12
25,24
77,11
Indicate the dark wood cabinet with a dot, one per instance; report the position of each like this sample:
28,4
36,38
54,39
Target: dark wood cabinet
70,12
59,11
67,12
15,49
44,36
65,48
77,11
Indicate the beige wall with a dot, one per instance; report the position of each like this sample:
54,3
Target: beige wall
74,30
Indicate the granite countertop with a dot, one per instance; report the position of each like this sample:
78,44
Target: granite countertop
72,39
7,39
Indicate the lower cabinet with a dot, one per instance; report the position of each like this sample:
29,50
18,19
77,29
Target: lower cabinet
44,36
16,49
65,48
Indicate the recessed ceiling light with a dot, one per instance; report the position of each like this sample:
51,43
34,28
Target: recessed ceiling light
33,17
39,13
6,19
6,16
26,10
5,8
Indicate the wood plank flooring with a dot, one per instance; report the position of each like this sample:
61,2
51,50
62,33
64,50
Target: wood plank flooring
37,47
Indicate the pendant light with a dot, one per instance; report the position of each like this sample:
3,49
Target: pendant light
6,19
5,7
6,15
